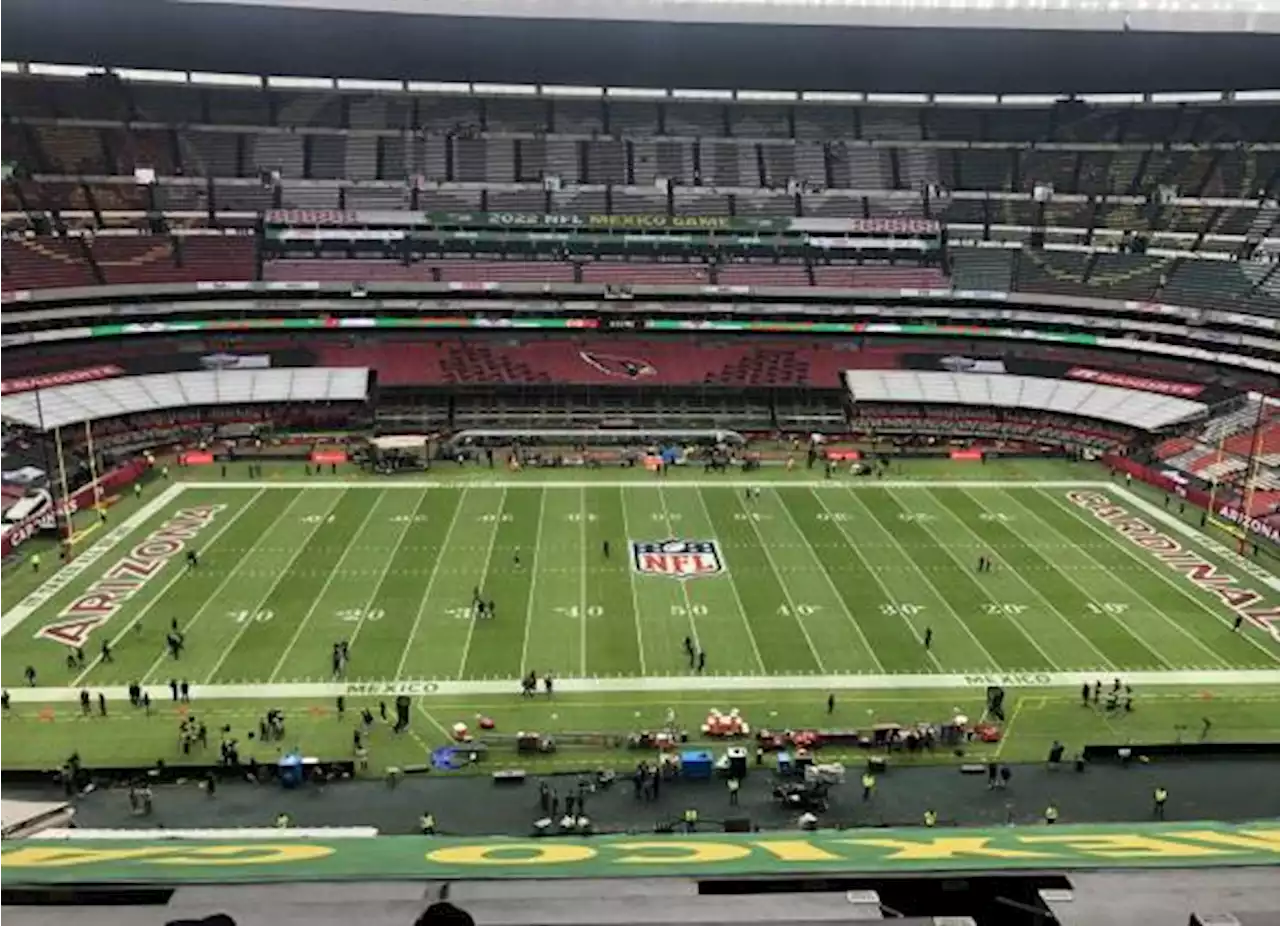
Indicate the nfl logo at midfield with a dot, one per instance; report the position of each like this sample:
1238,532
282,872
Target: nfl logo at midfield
676,559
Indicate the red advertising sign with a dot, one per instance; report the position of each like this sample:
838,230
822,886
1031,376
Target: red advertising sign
65,378
195,458
1144,383
328,456
81,498
966,454
847,456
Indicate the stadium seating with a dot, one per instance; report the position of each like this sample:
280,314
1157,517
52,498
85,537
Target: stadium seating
39,263
346,271
880,277
645,272
36,263
1216,284
603,362
498,271
211,144
989,270
753,274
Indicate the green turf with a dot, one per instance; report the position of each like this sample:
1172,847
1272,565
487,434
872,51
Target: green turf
822,577
43,736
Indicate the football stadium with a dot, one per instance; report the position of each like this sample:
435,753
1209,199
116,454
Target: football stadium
720,463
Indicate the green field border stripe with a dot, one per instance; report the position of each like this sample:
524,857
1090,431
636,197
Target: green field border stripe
854,851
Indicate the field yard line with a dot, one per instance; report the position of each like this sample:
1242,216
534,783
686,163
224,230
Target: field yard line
431,581
1119,623
271,590
377,586
173,580
63,577
924,525
654,484
435,723
324,588
1008,727
488,559
1035,591
631,582
582,575
974,683
684,586
777,574
737,596
533,583
892,598
1118,542
937,592
830,582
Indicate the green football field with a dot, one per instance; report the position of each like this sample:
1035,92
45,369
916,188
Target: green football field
791,585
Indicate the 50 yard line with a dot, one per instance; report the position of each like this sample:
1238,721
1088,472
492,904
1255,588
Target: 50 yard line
684,586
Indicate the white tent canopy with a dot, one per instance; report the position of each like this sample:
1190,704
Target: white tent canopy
1148,411
60,406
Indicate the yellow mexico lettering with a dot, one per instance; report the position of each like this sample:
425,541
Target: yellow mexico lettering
252,854
512,853
678,852
945,847
796,850
1125,845
66,856
1249,840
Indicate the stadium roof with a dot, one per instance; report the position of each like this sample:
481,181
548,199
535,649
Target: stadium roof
834,50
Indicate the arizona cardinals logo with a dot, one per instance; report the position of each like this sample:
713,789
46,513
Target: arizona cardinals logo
676,559
620,367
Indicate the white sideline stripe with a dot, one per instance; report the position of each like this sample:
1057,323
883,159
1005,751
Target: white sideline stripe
655,484
86,560
1231,556
692,683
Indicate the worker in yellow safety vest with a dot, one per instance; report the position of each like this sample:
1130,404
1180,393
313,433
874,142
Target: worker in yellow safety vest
1051,814
690,820
427,822
1160,796
868,785
282,821
930,819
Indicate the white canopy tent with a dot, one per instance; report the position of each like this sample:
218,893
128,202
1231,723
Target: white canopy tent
60,406
1135,408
